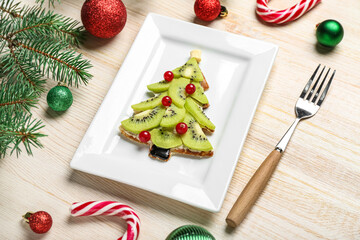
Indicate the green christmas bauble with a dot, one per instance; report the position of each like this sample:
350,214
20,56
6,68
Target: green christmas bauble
190,232
59,98
329,33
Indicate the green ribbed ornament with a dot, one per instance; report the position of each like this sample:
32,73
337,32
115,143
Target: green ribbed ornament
190,232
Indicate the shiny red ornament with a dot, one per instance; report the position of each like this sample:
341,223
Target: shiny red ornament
181,128
39,222
207,10
144,136
166,101
103,18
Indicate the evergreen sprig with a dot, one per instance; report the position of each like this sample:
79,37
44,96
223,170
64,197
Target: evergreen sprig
16,98
52,2
17,128
34,45
37,21
12,8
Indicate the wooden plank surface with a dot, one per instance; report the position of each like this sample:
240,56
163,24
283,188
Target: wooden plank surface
314,193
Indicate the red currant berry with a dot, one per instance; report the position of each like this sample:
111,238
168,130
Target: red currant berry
168,76
190,88
144,136
166,101
181,128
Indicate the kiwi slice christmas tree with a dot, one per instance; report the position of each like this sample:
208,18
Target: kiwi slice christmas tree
173,121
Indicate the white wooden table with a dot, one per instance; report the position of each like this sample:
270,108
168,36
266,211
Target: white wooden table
314,193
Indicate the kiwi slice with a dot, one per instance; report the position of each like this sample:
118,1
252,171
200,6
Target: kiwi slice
159,86
176,72
199,94
177,91
165,139
189,70
149,103
195,138
173,115
144,121
194,109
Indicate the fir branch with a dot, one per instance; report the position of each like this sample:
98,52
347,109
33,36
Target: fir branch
8,11
36,26
37,19
14,10
71,32
24,73
54,57
36,40
16,97
16,72
17,129
34,43
10,8
52,2
39,22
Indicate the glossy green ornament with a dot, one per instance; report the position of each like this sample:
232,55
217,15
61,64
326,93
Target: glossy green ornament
190,232
59,98
329,33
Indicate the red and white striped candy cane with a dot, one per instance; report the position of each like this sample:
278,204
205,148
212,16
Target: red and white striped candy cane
110,208
286,15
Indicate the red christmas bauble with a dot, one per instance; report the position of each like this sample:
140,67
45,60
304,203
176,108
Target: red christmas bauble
207,10
103,18
39,222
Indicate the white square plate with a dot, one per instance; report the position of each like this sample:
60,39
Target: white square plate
236,69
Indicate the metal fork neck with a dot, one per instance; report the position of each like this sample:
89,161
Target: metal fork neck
281,146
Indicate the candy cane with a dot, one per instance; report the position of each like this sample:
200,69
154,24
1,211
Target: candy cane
110,208
286,15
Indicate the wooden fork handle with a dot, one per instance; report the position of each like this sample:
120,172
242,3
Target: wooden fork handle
253,189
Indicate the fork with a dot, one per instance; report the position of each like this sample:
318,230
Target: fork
306,106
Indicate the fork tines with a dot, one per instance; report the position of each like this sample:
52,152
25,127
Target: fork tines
310,93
